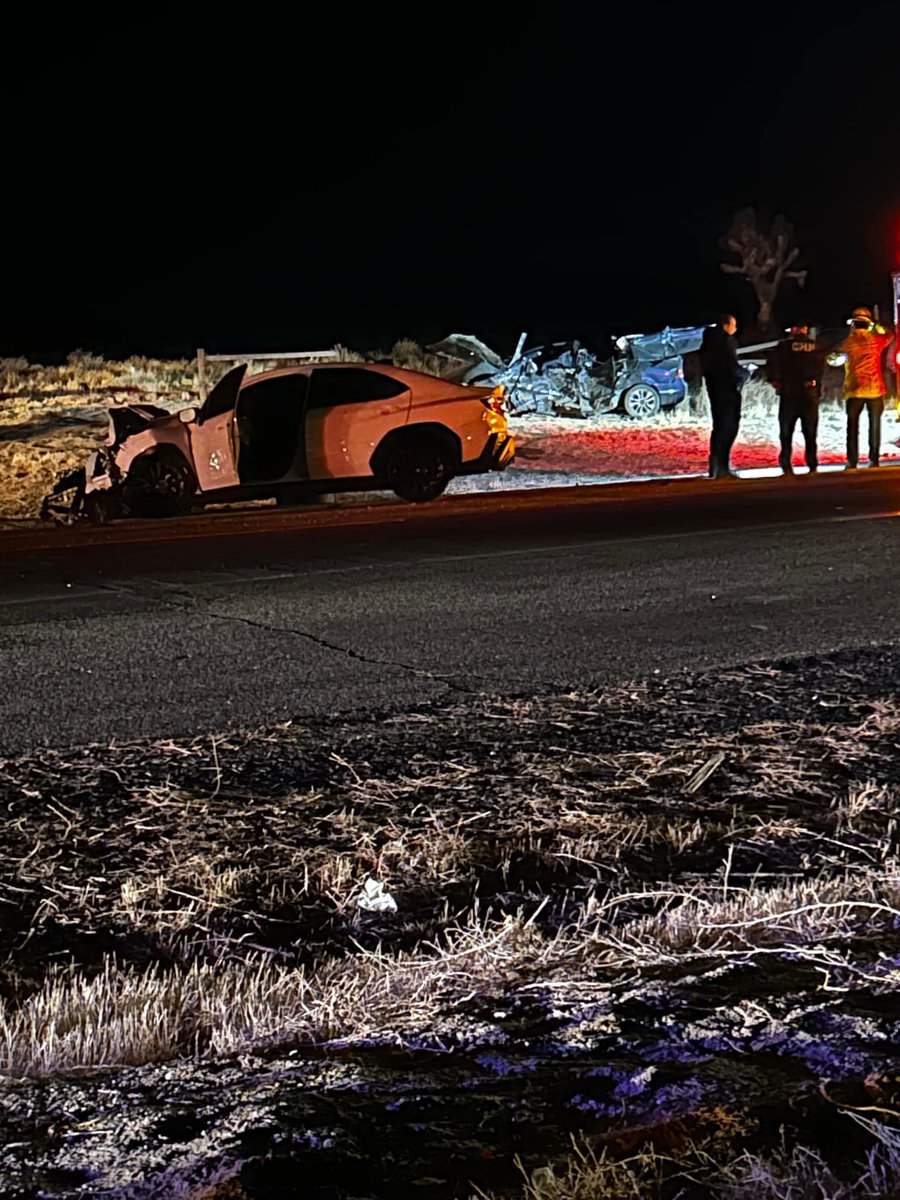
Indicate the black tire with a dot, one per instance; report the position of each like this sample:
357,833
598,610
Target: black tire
159,485
418,469
641,401
100,509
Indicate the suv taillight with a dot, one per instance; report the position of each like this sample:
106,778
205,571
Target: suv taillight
495,400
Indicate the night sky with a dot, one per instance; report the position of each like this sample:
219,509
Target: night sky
345,178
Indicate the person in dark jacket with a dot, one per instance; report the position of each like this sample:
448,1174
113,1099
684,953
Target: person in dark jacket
724,378
795,367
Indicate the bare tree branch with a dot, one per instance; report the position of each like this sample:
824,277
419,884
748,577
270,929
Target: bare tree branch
765,258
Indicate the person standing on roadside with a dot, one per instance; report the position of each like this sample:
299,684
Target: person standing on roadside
860,353
724,377
795,369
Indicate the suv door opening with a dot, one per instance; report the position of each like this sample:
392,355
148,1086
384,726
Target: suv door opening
271,422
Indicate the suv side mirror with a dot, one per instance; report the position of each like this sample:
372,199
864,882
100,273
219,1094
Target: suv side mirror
187,415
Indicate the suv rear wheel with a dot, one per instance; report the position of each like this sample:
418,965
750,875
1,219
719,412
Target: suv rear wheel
418,469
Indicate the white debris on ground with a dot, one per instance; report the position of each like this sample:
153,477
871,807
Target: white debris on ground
561,451
375,898
677,444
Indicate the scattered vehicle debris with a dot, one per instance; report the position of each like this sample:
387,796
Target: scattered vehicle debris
375,898
291,434
700,777
644,374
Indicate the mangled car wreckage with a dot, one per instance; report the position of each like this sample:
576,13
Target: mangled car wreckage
643,374
290,434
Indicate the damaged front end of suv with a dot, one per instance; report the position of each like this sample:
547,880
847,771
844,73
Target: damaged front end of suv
141,470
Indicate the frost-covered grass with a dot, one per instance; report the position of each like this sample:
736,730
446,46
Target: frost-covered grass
578,868
705,1161
125,1015
663,941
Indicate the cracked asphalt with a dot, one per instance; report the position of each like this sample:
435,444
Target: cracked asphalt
199,636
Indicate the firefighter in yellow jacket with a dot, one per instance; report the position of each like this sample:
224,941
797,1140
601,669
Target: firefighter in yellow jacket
861,353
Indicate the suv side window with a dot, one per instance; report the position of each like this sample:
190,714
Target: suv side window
351,385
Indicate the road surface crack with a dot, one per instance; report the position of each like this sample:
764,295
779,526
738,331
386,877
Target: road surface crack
449,680
169,596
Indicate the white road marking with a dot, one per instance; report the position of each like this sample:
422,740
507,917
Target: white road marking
53,599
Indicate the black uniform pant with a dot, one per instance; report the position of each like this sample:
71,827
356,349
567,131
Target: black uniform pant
725,404
874,406
792,409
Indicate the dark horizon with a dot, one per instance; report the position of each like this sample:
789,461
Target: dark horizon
569,178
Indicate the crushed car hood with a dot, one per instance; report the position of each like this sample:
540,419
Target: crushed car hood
127,419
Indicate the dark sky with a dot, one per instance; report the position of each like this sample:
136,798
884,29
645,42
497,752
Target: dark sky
566,171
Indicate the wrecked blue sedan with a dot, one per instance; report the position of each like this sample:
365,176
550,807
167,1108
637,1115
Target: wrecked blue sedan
644,374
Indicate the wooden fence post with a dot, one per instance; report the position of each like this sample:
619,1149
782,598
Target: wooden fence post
201,374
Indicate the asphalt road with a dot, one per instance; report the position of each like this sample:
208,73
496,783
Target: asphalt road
241,620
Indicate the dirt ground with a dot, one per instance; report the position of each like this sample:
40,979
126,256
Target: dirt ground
664,920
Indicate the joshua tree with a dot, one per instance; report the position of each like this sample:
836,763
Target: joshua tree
765,258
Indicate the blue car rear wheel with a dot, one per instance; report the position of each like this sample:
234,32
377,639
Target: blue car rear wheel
641,400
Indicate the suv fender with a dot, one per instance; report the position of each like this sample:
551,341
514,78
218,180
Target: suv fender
430,433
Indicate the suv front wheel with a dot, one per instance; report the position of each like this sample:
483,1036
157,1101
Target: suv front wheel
418,469
159,484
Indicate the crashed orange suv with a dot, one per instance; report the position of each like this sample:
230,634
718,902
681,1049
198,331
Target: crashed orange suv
291,434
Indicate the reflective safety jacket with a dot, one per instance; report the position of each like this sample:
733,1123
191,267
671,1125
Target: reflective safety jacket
863,350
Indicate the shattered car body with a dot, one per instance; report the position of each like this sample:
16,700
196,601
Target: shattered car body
290,434
83,492
644,373
563,378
